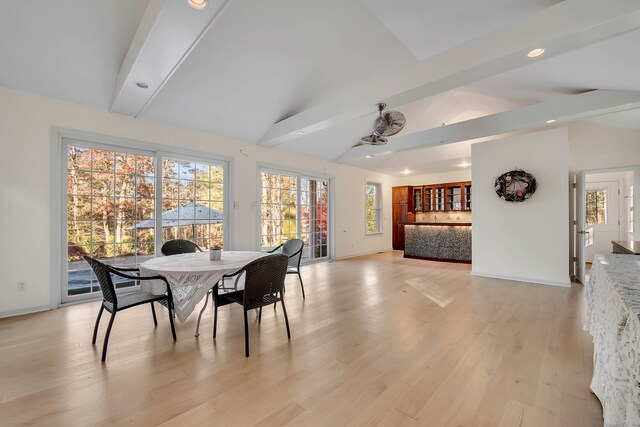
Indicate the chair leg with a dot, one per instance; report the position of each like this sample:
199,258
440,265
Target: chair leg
106,337
275,304
259,314
153,311
215,316
246,335
301,284
286,318
95,329
173,328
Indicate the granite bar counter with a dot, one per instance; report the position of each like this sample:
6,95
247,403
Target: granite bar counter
628,247
440,241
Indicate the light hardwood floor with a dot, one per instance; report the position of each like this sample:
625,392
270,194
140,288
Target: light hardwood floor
380,340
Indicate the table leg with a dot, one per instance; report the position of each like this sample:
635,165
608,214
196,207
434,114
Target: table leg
206,300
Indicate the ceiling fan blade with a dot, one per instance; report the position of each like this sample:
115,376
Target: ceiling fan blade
358,144
389,123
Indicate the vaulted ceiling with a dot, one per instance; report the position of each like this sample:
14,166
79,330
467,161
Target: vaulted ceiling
305,75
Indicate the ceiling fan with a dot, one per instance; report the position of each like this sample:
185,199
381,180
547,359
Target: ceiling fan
388,123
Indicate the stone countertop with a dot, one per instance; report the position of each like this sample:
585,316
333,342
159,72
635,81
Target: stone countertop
459,224
630,246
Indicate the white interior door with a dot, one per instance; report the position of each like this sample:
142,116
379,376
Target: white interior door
580,226
602,217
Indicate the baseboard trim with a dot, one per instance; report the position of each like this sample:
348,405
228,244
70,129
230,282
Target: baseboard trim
363,254
566,284
21,311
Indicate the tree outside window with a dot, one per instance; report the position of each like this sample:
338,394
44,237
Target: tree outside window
373,207
596,207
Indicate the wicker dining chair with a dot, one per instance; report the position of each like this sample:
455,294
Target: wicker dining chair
293,249
179,246
264,282
113,302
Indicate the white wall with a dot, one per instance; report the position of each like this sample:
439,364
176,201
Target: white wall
527,241
464,174
26,134
594,146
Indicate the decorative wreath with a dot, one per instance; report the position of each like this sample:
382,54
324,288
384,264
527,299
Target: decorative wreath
515,186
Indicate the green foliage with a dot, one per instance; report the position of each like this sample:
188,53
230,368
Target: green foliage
596,207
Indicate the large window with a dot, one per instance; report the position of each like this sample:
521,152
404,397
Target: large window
373,207
294,206
110,204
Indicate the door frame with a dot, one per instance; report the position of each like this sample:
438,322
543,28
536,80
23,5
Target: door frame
299,173
617,187
573,249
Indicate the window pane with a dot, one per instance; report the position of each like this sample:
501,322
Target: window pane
125,163
170,168
102,160
145,209
596,207
145,186
102,184
187,170
79,182
78,158
145,166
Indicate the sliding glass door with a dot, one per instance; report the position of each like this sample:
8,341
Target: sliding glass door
193,202
294,206
111,198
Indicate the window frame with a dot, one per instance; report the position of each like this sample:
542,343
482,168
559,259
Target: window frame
378,208
63,138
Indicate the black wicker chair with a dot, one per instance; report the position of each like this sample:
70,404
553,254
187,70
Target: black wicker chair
263,285
114,303
179,246
293,249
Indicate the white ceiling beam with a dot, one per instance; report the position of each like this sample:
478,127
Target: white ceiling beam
562,109
559,29
167,34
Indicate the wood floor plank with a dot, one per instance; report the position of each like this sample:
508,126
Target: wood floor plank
379,340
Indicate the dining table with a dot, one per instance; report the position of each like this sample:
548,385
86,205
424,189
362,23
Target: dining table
613,320
191,276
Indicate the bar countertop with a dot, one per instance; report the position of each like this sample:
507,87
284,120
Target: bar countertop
460,224
627,246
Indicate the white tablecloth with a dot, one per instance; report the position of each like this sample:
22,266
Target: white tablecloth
191,275
613,320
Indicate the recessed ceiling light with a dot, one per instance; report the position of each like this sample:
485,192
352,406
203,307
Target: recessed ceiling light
300,132
551,121
370,156
142,85
535,52
406,171
197,4
464,164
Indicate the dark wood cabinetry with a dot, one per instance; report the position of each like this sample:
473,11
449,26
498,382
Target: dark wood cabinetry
407,200
402,211
453,196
